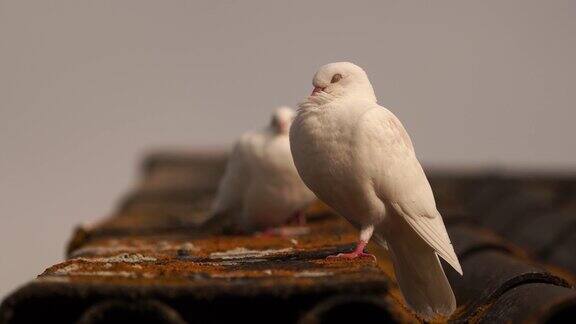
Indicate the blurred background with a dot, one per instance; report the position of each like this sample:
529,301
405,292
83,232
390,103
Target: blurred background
87,87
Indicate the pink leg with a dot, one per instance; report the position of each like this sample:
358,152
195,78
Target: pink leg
357,253
365,235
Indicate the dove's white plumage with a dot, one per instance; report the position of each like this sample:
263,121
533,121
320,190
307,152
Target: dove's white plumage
358,158
261,187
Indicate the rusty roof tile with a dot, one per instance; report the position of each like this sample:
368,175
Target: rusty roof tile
149,262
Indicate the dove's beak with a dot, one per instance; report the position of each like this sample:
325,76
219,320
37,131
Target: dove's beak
284,128
316,90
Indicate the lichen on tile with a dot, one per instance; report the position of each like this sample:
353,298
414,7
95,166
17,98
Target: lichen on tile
241,253
123,257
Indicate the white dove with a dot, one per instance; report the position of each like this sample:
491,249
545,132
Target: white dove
261,188
357,157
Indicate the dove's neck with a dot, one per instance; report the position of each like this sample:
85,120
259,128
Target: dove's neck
323,99
362,91
272,131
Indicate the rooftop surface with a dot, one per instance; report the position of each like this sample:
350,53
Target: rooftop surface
149,262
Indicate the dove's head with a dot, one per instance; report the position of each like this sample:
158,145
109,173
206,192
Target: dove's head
281,120
340,79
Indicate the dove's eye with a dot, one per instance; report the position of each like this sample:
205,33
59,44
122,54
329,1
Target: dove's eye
337,77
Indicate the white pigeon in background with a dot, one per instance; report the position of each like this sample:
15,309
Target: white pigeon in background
357,157
261,188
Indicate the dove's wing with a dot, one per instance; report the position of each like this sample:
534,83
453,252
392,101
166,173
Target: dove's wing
235,179
229,198
399,180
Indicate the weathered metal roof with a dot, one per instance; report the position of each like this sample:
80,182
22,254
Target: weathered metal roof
149,263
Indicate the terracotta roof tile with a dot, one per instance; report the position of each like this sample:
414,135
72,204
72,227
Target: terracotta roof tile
148,262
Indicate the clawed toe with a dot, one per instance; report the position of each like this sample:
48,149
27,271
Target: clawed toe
350,256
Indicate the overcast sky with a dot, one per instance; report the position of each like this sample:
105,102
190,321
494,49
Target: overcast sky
86,86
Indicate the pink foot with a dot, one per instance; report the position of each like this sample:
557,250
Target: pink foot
357,253
352,255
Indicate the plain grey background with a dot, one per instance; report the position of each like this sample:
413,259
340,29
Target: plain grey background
87,86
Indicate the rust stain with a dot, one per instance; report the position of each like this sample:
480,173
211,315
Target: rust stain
153,241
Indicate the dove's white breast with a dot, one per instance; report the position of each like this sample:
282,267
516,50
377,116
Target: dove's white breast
323,142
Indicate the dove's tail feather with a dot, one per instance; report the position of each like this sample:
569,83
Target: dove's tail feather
418,272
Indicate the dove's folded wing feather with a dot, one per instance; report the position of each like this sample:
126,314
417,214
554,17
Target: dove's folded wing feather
432,230
235,179
228,201
399,180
